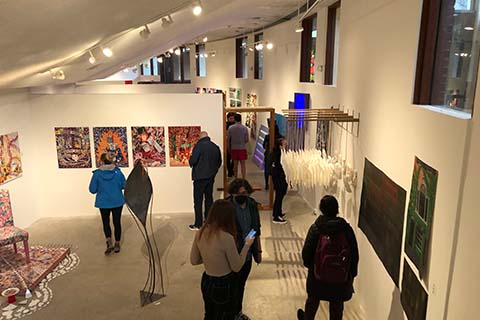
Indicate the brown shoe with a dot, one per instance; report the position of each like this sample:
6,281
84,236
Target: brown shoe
117,247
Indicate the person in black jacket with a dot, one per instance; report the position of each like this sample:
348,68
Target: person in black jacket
247,218
279,180
205,161
266,152
336,294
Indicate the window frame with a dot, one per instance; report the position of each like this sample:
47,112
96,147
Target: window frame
258,72
330,45
306,48
240,58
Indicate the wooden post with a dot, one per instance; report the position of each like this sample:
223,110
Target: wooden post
272,144
225,152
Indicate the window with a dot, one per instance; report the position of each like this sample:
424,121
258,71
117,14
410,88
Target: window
201,62
175,67
258,66
309,41
241,58
448,54
333,38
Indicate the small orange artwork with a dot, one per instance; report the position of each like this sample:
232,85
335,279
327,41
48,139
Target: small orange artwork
181,141
111,140
10,161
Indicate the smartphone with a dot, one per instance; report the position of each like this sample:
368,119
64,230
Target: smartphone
251,234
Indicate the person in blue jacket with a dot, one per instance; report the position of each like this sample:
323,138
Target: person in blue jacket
107,183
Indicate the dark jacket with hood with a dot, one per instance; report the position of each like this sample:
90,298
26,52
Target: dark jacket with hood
205,160
107,183
323,291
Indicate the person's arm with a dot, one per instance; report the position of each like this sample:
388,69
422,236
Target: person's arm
93,187
246,135
354,252
194,157
235,260
219,157
122,179
309,247
229,138
195,256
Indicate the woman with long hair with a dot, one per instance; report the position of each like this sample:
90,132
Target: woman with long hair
215,246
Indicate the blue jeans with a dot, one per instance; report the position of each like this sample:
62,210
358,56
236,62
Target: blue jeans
219,296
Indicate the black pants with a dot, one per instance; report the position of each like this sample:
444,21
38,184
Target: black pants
281,186
311,307
117,218
202,189
219,296
229,165
242,280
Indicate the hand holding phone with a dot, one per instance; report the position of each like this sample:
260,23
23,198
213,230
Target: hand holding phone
251,234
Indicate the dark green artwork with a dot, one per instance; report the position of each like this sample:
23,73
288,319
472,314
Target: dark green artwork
420,215
414,297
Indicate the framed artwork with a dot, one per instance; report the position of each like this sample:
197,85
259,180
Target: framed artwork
149,146
111,140
10,159
382,211
73,147
420,215
235,95
413,296
181,143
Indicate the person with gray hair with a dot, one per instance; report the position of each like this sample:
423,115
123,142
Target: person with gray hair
205,161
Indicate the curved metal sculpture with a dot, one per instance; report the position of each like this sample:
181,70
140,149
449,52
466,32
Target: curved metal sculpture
138,197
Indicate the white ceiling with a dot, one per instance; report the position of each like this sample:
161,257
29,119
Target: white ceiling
36,36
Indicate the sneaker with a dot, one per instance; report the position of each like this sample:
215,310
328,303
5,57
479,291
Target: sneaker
242,316
283,215
109,249
117,247
300,314
193,227
279,220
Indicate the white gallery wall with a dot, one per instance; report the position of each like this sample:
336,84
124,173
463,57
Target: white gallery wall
377,58
47,191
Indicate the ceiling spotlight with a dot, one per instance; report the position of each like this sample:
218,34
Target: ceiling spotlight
299,27
126,70
57,74
178,51
269,46
259,47
205,39
160,60
197,8
213,54
206,55
92,59
469,28
196,56
107,52
250,49
167,21
145,33
171,50
168,54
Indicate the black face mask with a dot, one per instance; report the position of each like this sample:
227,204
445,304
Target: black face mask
242,199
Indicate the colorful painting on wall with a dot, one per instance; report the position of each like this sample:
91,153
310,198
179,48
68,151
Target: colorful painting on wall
235,95
111,140
420,215
10,159
73,147
181,143
251,121
382,211
413,296
149,146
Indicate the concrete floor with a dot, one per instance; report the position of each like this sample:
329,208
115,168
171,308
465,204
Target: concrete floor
108,287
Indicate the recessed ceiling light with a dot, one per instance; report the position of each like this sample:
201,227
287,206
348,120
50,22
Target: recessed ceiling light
469,28
107,52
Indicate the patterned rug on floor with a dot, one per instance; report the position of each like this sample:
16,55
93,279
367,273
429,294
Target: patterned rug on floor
42,294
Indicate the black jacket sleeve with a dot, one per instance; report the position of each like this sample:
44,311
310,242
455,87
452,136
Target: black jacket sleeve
310,246
195,156
219,157
354,251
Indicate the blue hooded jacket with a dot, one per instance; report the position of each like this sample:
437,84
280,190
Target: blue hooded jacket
107,182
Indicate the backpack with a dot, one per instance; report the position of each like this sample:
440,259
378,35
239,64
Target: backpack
332,258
